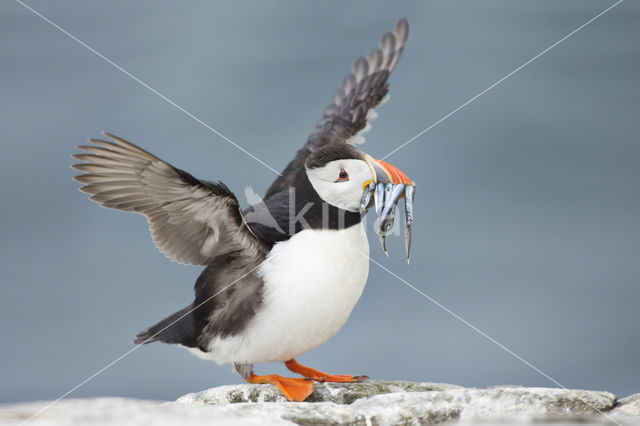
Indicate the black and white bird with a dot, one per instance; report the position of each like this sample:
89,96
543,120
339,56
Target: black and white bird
281,278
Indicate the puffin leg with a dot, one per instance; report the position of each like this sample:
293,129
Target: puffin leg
313,374
292,389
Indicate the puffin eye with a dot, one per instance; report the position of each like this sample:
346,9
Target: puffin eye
343,176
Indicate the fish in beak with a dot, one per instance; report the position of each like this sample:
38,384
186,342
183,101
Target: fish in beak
387,187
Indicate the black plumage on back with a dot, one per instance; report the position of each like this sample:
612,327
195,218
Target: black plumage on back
228,294
178,328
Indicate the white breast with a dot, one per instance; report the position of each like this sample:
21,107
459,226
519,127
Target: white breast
312,282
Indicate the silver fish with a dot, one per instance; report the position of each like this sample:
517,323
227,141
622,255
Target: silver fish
385,200
409,194
393,192
366,197
378,199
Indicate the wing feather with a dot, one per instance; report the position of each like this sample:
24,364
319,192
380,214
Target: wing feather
352,105
191,221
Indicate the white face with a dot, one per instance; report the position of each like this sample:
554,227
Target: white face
341,182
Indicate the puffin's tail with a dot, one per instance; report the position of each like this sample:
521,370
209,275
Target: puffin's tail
178,328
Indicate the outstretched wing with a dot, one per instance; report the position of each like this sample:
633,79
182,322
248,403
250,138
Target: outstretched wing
347,116
191,221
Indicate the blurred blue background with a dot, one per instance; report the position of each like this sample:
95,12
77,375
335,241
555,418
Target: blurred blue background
528,204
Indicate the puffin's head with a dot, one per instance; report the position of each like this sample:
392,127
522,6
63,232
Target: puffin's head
345,177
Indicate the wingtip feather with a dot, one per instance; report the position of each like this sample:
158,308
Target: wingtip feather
402,29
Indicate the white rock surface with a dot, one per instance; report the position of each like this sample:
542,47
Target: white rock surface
118,411
367,403
629,406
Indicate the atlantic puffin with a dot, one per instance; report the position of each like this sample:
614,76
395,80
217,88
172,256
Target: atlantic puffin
256,301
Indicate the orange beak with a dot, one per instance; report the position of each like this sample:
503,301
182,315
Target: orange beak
395,174
384,172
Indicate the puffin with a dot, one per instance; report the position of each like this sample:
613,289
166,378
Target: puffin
282,276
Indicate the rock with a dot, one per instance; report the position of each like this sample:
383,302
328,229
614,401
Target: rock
367,403
339,393
117,411
386,402
629,406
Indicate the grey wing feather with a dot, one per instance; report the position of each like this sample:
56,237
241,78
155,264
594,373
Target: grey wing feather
362,91
352,106
191,221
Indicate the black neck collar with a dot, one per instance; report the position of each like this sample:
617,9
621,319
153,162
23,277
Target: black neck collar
296,209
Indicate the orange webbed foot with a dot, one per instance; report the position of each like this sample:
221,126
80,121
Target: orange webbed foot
292,389
319,376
